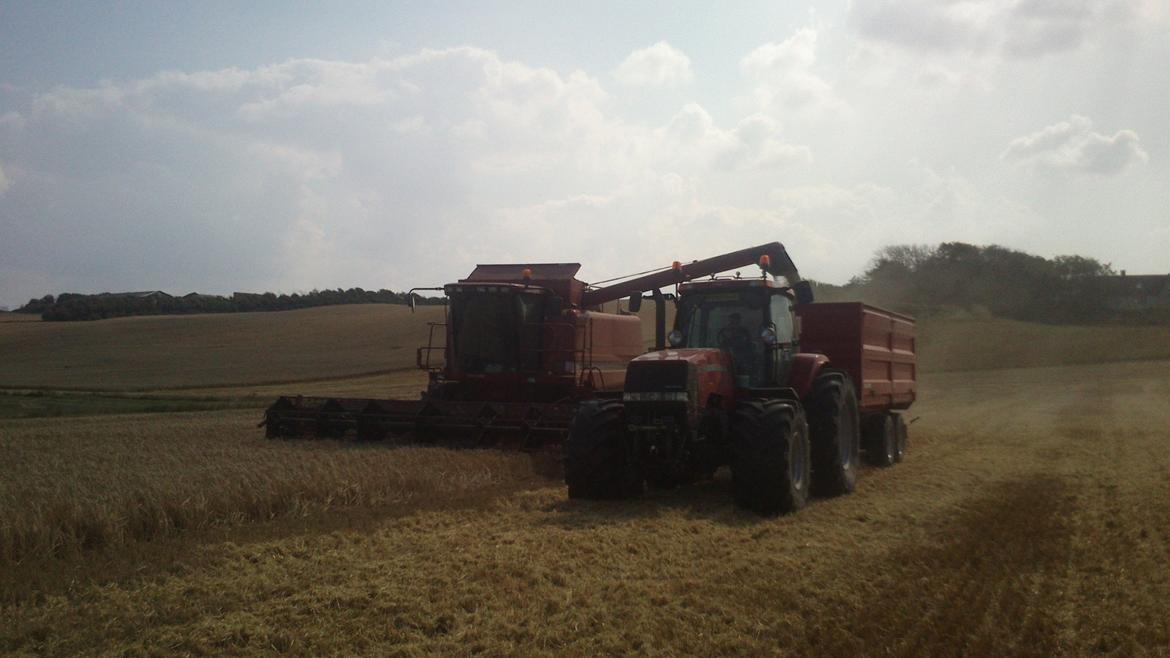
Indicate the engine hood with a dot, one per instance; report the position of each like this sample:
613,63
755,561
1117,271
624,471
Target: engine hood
702,376
697,356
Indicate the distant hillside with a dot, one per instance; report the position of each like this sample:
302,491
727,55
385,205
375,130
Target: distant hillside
972,344
146,353
205,351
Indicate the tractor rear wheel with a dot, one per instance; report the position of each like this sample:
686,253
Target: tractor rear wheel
770,462
900,432
598,460
881,440
836,438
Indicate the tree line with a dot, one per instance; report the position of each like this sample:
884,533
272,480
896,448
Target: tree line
73,306
923,280
916,279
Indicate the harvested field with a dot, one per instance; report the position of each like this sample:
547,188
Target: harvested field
1029,519
8,316
103,482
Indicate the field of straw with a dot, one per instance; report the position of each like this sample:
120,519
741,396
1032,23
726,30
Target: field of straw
1028,520
109,480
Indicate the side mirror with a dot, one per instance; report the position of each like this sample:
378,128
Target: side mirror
804,292
555,306
635,302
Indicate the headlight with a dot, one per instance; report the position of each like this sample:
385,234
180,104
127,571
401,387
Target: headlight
675,338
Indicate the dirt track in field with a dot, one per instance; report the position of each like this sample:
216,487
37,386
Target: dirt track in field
1031,518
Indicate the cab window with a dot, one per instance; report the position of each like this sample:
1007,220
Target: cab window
781,312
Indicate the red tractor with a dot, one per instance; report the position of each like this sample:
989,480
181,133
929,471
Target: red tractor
759,378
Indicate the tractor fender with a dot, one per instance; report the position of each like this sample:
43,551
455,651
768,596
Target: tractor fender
806,367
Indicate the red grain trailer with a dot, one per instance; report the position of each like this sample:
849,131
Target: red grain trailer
876,347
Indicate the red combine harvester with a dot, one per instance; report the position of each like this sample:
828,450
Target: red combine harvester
760,378
522,345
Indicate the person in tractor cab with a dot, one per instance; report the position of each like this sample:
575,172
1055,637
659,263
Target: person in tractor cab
737,340
734,333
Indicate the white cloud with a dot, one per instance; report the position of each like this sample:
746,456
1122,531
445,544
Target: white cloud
11,120
794,53
333,165
785,77
691,142
1018,28
1072,146
660,65
318,173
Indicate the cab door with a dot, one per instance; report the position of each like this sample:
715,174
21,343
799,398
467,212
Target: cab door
783,352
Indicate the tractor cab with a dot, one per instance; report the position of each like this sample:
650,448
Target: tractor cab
750,320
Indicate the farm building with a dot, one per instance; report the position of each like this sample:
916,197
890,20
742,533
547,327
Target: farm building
193,296
1133,292
142,294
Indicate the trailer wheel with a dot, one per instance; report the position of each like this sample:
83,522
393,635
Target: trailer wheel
598,462
900,432
881,440
833,426
770,465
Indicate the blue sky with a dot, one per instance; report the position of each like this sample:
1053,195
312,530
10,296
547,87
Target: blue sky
280,146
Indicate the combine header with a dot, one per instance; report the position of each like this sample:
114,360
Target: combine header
521,346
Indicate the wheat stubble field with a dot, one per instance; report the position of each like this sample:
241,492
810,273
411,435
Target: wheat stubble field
1032,517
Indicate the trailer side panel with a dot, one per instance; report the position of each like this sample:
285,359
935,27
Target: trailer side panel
877,348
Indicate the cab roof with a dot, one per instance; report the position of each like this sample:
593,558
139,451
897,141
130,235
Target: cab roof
560,278
514,272
729,284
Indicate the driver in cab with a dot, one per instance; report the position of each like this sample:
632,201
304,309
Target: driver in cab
734,334
736,339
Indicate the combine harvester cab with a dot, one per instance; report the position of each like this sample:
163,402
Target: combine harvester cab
518,350
785,391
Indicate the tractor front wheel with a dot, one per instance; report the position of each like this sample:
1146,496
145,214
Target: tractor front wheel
770,461
599,464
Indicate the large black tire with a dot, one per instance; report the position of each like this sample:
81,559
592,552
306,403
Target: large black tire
598,461
833,424
770,465
881,440
900,433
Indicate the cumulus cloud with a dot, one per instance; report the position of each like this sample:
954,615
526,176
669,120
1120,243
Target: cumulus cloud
301,174
691,142
11,120
313,173
667,211
1072,146
1019,28
785,77
660,65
